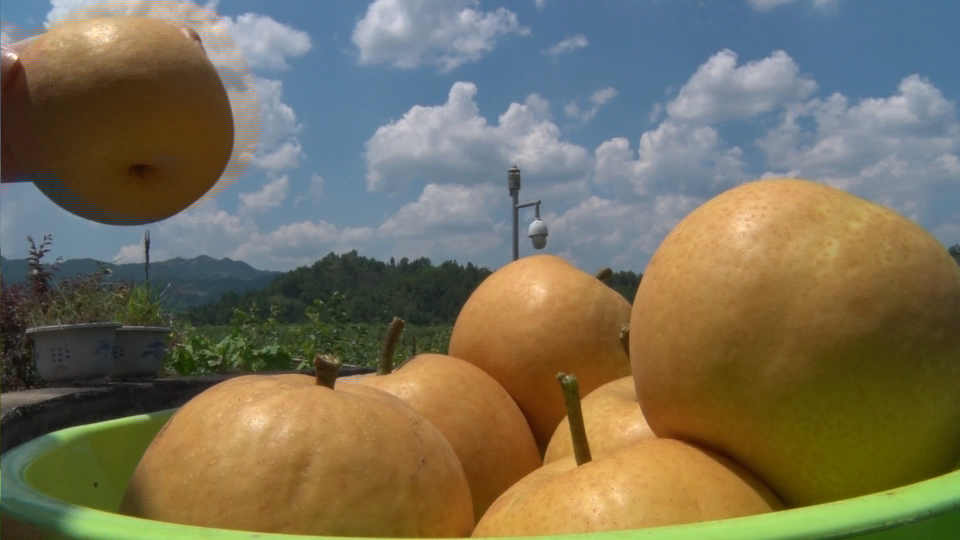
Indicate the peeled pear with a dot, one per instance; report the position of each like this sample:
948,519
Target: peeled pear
809,334
534,317
120,119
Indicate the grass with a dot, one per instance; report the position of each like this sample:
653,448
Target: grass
414,340
255,343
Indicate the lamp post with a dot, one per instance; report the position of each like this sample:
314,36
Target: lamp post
538,230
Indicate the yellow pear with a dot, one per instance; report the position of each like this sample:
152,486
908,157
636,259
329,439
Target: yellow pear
482,422
649,483
537,316
290,454
809,334
611,414
613,420
119,119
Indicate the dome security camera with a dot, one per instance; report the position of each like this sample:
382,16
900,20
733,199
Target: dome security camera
538,234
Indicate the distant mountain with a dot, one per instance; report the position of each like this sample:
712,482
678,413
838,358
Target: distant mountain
192,282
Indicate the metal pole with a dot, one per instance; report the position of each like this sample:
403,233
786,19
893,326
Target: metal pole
516,226
513,182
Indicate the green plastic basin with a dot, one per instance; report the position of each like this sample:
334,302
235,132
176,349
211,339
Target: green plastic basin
68,485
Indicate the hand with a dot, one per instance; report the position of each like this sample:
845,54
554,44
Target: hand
10,169
11,68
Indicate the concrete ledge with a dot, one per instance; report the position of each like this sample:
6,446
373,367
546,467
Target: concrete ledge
29,414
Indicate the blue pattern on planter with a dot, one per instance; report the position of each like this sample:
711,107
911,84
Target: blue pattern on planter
102,345
156,349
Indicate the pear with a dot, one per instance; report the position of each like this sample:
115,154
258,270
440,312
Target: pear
612,417
119,119
809,334
296,455
650,483
477,416
537,316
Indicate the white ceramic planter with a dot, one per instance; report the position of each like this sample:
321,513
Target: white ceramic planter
138,352
74,353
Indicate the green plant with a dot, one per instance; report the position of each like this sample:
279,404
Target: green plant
80,299
18,301
254,342
329,331
40,302
40,276
251,345
19,372
140,307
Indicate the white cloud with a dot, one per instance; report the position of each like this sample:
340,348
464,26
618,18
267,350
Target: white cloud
130,253
949,163
916,125
570,44
204,230
287,156
616,233
673,158
720,90
270,197
315,193
449,220
279,147
541,4
443,210
208,230
453,143
902,146
299,244
265,42
769,5
598,99
603,96
655,111
445,33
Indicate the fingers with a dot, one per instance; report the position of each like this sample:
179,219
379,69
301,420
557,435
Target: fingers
11,65
192,34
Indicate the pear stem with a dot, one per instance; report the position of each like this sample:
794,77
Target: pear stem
625,338
328,368
604,273
385,362
578,430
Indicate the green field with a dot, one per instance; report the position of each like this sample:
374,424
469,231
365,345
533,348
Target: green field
259,346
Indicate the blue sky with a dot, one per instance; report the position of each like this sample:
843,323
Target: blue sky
388,126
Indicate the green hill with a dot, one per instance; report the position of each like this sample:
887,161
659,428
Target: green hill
419,291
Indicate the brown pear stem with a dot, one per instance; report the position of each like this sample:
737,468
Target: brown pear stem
385,363
625,338
328,368
578,430
604,273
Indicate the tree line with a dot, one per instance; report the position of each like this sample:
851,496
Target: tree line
373,291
